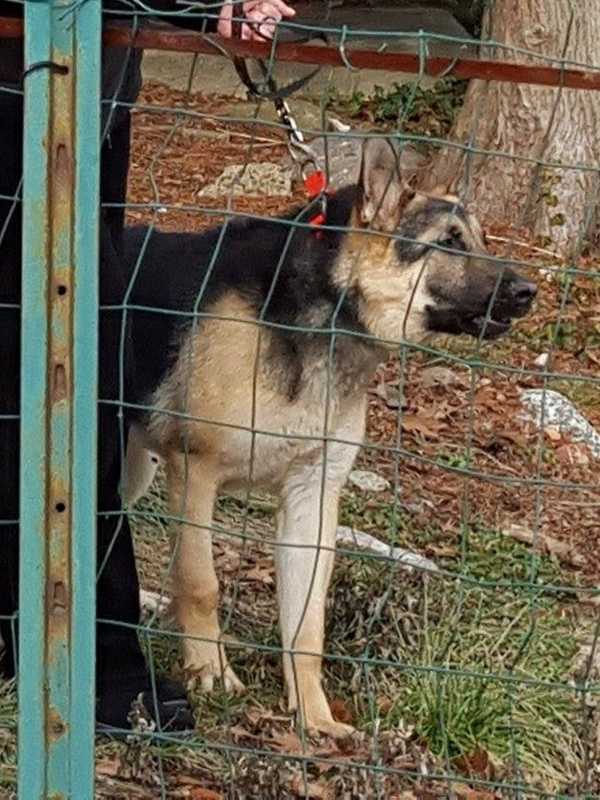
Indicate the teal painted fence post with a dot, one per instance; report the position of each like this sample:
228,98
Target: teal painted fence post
58,401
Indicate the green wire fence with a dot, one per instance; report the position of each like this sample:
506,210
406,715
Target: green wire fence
462,621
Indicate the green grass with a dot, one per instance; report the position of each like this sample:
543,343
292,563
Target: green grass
439,630
443,644
434,630
518,628
8,730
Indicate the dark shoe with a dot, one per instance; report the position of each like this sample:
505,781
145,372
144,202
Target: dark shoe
169,710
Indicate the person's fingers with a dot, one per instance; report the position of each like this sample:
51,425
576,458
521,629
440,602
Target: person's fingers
260,27
283,8
287,11
262,16
224,24
270,10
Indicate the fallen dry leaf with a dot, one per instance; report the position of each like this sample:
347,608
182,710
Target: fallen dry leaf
545,543
258,716
476,764
262,572
446,551
573,455
340,711
553,433
309,789
464,792
426,426
108,767
198,793
237,733
384,704
287,742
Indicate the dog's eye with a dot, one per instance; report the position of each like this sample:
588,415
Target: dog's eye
452,240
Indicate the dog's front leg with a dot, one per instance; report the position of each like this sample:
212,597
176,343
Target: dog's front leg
304,559
192,489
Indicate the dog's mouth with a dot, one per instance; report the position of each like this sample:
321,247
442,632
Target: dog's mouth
484,326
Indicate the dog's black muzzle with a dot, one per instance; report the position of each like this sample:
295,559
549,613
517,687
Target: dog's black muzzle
496,310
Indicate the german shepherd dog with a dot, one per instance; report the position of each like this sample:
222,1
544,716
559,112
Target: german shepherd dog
255,372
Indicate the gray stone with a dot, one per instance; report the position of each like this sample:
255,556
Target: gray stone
552,409
439,376
262,178
368,481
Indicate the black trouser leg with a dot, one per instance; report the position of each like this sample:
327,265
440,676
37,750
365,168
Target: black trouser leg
10,282
121,670
118,650
120,664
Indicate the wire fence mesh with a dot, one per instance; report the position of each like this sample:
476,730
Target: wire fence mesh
239,356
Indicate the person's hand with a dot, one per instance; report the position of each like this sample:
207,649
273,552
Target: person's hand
261,18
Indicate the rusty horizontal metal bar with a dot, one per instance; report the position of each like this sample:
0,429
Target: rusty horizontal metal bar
11,28
161,37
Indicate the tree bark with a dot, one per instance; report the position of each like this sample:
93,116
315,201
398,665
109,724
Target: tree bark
553,126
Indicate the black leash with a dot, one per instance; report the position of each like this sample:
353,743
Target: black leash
315,181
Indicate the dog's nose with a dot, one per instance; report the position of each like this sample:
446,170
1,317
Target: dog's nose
522,291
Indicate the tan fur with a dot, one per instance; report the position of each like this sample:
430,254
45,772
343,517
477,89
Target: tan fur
211,418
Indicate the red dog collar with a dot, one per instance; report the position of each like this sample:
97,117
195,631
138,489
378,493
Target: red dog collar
315,185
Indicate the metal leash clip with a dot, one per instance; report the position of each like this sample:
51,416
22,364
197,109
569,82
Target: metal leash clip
302,154
314,179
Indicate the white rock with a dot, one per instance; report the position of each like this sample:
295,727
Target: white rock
368,481
261,178
542,360
553,410
339,126
154,604
439,376
364,541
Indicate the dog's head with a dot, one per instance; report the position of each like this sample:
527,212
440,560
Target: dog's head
431,275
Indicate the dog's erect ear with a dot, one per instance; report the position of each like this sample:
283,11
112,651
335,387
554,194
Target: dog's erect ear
382,189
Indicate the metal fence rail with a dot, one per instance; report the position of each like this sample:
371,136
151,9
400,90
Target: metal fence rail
58,411
477,635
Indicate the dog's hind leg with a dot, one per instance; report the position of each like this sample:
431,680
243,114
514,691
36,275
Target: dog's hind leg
192,486
304,559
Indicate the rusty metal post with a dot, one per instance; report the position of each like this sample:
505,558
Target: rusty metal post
58,400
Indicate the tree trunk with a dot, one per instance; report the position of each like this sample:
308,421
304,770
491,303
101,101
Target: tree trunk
548,125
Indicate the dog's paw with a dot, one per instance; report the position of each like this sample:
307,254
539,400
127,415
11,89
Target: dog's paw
316,715
210,673
329,727
206,663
